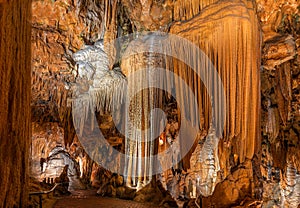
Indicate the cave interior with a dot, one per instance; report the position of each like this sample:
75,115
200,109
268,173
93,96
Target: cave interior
150,103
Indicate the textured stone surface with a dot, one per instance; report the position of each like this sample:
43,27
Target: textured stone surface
14,102
56,34
280,102
149,15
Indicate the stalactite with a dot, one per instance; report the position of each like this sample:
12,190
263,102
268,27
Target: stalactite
272,124
185,10
236,55
105,87
237,67
184,96
111,30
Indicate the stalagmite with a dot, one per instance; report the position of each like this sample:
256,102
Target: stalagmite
111,30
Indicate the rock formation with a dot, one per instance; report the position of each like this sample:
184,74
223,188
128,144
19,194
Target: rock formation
15,62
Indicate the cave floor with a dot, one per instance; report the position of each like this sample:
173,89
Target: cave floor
89,199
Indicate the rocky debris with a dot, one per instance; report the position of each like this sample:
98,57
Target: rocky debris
156,194
112,185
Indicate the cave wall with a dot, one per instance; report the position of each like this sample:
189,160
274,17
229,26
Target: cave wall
280,102
15,62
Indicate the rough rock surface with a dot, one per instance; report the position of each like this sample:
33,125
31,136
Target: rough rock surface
280,102
14,101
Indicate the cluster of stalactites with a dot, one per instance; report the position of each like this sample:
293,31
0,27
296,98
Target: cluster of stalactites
97,88
142,54
235,54
185,10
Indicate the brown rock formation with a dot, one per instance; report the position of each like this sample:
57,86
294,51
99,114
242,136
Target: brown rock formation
211,31
14,101
280,102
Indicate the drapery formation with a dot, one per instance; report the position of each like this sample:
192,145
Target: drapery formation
69,24
231,39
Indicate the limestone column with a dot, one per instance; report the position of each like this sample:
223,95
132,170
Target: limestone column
14,101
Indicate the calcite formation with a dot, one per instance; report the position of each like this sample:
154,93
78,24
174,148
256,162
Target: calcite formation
280,103
253,45
15,114
235,54
96,87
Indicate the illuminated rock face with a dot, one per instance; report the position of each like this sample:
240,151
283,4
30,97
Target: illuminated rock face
238,164
49,155
235,54
96,88
280,102
14,102
238,67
